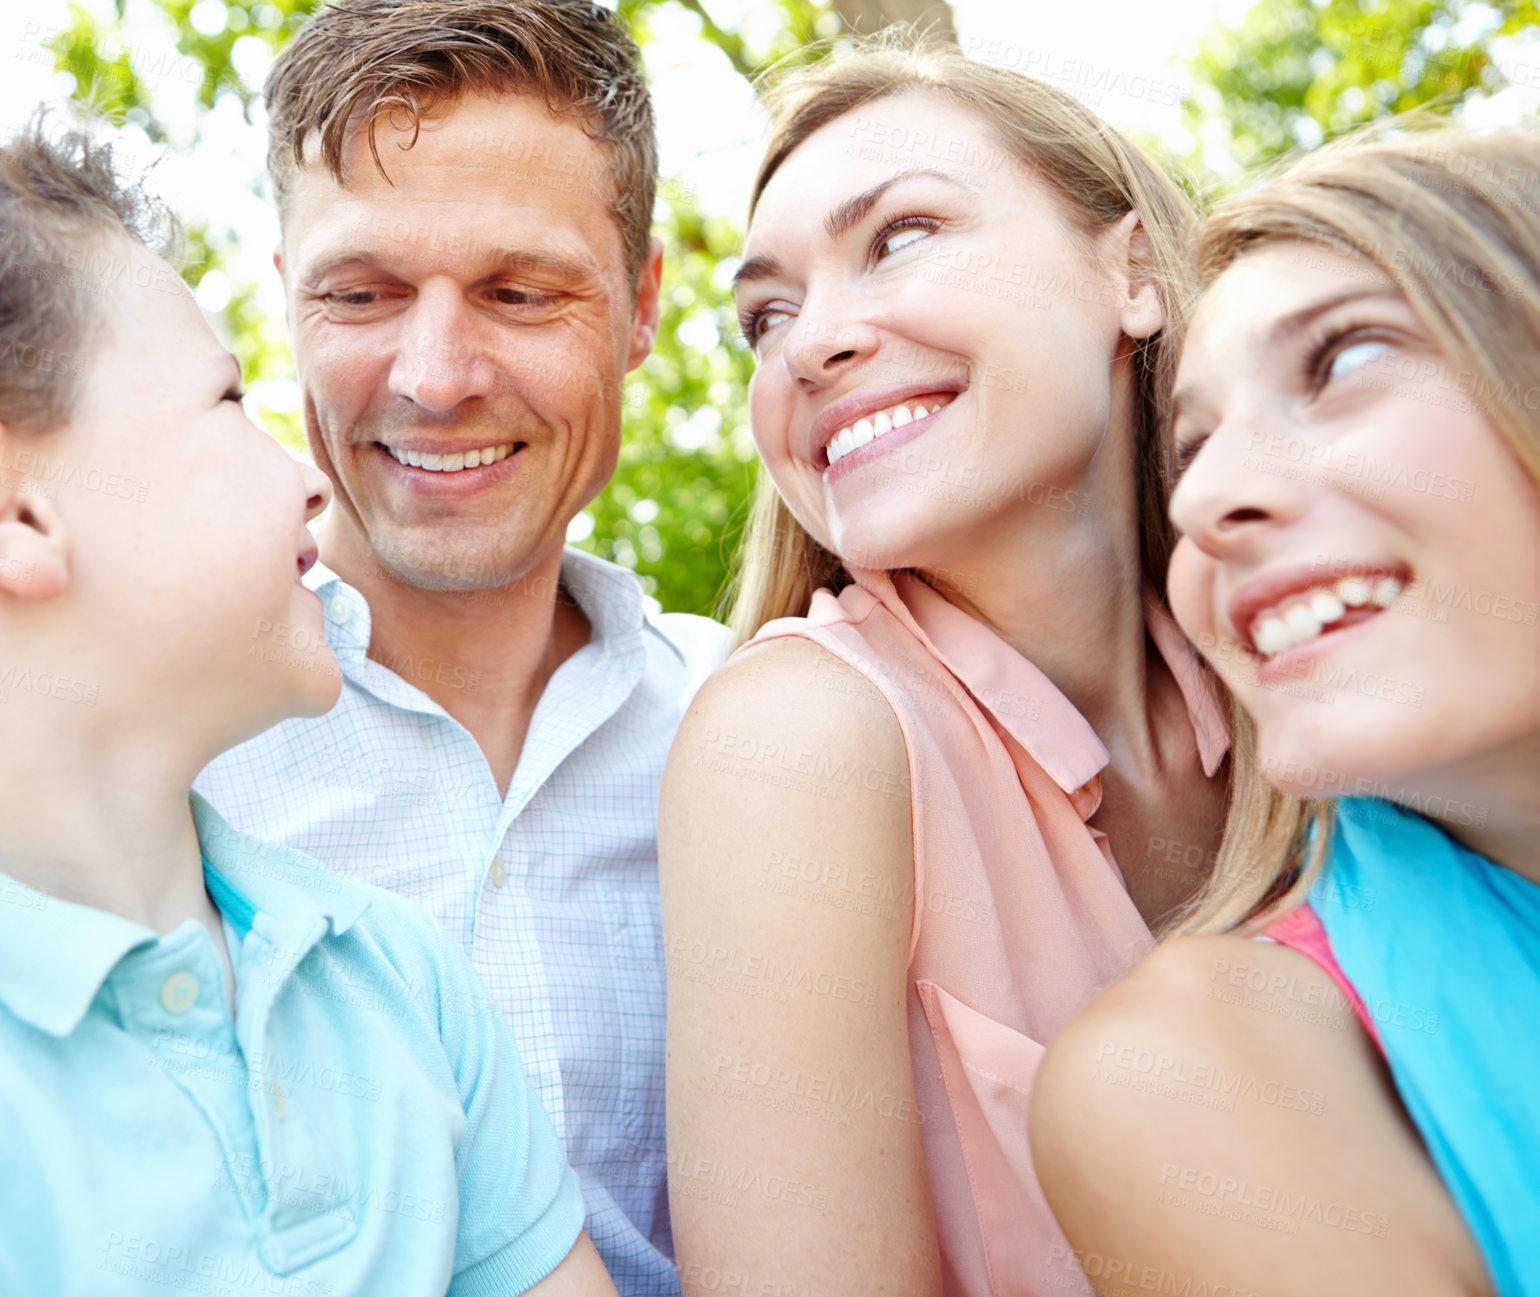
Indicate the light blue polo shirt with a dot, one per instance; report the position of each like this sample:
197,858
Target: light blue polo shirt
361,1127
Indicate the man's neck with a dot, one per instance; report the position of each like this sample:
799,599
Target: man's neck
484,656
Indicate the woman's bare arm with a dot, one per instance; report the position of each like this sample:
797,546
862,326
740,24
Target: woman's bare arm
795,1163
1219,1122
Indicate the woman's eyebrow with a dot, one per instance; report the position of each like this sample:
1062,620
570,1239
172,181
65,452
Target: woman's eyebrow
839,221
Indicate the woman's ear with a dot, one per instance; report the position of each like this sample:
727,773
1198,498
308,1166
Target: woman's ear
34,552
1127,248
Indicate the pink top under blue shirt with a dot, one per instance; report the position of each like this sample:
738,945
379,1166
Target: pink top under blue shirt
1439,955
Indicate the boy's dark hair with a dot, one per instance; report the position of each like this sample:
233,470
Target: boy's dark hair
61,202
357,60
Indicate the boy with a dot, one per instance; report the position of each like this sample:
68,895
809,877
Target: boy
222,1068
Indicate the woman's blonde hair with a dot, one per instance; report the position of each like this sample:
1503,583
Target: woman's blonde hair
1453,217
1099,177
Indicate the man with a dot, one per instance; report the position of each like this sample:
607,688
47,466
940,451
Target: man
465,191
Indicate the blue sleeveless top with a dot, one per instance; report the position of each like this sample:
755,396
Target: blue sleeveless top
1443,946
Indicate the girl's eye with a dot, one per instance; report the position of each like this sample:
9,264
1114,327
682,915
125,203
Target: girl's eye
1186,452
1354,356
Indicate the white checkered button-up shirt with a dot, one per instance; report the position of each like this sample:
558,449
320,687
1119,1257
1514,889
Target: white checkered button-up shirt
552,890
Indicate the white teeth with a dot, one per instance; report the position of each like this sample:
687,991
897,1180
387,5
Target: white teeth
1326,607
869,429
452,463
1271,636
1354,591
1302,623
1303,620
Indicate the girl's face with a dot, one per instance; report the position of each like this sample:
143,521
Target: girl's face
934,342
1360,551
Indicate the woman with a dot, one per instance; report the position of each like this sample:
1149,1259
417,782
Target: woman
892,827
1348,1104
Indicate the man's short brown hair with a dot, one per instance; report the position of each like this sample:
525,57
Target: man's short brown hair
359,59
62,203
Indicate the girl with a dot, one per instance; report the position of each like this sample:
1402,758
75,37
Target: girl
1347,1104
941,799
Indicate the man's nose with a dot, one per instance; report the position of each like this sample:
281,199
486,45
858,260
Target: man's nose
438,362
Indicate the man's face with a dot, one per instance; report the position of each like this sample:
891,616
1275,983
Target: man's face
462,331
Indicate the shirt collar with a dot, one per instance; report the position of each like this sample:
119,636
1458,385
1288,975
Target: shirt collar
1026,703
55,954
609,596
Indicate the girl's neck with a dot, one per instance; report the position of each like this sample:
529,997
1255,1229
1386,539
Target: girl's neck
1489,804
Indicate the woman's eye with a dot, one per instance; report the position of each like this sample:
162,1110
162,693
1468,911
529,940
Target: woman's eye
891,243
1354,357
755,324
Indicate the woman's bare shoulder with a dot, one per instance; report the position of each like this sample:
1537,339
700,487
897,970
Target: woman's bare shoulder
792,695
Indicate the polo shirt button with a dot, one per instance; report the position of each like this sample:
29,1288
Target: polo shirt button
499,873
342,610
179,993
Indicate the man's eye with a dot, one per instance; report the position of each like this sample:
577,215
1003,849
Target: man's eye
353,297
520,297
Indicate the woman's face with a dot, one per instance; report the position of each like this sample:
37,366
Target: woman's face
1360,552
933,342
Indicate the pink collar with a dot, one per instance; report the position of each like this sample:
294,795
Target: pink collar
1021,699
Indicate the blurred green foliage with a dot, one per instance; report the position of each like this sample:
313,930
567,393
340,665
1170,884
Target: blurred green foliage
1294,72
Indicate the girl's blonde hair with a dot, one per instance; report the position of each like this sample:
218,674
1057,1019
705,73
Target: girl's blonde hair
1453,217
1099,177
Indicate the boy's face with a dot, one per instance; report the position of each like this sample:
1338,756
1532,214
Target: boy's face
185,524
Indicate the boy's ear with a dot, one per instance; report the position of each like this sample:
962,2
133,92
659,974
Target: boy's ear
34,553
1140,306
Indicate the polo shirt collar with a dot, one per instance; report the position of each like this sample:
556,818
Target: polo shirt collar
1026,703
270,878
55,954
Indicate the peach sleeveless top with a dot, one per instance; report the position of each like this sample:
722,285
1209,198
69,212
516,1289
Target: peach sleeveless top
1021,914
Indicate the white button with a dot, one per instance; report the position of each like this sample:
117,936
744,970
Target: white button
342,610
499,873
179,993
